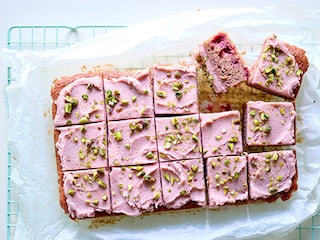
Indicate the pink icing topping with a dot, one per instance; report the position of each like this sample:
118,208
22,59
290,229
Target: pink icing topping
276,70
175,89
227,180
178,137
87,192
88,93
270,123
183,182
82,146
133,95
132,142
270,172
135,189
221,133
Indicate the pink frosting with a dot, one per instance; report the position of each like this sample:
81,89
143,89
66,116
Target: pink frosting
227,180
135,189
82,146
221,133
183,182
175,89
88,109
287,70
133,94
87,192
132,142
178,137
269,123
270,172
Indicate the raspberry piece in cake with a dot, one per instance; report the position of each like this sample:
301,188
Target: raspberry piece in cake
221,62
175,89
81,146
269,123
279,68
272,174
132,142
128,95
221,133
78,100
86,193
178,138
183,183
135,189
227,180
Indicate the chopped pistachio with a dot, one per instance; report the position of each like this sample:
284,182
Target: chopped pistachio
136,168
217,177
130,187
97,115
231,146
236,175
195,138
279,178
218,137
141,174
174,121
256,122
282,111
69,122
104,197
127,145
275,156
166,177
177,75
68,108
177,86
84,119
75,139
85,97
267,129
149,155
157,195
134,98
183,192
89,86
95,202
148,178
89,194
87,201
233,140
72,100
102,184
124,102
118,136
179,95
227,162
272,190
120,185
194,167
264,116
268,155
80,154
71,192
83,128
162,94
167,145
252,113
299,73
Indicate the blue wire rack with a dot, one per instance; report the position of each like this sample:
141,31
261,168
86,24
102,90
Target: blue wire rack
41,38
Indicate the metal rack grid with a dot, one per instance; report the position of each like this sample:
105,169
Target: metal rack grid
41,38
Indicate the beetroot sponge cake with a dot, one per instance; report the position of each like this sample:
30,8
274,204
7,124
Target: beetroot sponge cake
279,68
223,65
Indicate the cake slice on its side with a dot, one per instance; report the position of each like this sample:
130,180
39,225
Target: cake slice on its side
221,62
135,189
221,133
85,193
81,146
178,138
132,142
128,95
272,175
279,68
269,123
175,89
183,184
78,100
227,180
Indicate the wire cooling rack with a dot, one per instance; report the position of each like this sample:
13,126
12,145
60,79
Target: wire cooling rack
41,38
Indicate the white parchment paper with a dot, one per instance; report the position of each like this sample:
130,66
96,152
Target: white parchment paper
166,40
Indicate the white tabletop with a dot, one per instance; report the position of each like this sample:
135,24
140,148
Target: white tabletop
77,12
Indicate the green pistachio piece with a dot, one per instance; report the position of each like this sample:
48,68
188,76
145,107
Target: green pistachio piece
267,129
134,98
102,152
275,157
231,146
217,177
179,95
72,100
272,190
118,136
177,86
75,139
218,137
102,184
157,195
141,174
148,178
85,97
175,121
236,175
182,193
149,155
195,138
282,111
127,145
95,202
177,75
104,197
279,178
124,102
256,122
252,113
299,73
71,192
83,128
90,86
68,108
194,167
264,116
136,168
161,94
80,154
166,177
130,187
84,119
233,140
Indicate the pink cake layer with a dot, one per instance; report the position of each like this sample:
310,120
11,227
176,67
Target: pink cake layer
270,173
269,123
221,133
178,138
87,192
175,89
276,70
182,183
80,102
135,189
132,142
129,97
226,180
82,146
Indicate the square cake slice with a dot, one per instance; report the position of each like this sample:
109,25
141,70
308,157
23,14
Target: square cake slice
221,62
221,133
227,180
175,89
269,123
86,193
128,95
132,142
78,99
183,183
279,68
135,189
272,174
179,137
81,146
